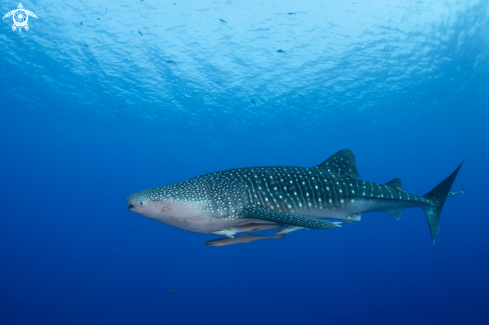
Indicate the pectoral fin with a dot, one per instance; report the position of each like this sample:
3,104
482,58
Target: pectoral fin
258,212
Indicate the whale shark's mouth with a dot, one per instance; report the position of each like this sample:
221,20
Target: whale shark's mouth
130,206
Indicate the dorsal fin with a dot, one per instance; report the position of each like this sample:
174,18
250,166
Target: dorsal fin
395,184
341,163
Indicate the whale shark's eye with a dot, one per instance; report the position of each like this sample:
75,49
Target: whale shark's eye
141,203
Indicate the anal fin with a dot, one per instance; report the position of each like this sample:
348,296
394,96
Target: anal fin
394,213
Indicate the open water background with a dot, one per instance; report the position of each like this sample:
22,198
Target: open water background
102,99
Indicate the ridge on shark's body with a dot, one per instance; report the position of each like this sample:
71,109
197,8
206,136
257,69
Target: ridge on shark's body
283,196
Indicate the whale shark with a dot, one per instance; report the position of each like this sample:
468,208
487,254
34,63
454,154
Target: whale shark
284,196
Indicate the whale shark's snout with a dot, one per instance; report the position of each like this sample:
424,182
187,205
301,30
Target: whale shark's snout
138,201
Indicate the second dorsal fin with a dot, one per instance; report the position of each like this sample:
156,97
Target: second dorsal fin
341,163
395,184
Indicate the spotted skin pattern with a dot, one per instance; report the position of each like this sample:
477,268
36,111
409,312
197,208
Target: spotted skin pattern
284,195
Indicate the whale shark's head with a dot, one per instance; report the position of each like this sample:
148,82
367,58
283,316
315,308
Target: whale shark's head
160,202
193,205
171,205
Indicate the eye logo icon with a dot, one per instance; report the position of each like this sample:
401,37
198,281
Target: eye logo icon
20,17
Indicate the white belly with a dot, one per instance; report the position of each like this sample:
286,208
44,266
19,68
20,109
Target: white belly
189,217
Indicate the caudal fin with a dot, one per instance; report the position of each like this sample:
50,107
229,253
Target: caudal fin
438,195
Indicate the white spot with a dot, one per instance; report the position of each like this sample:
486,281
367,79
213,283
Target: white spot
352,200
342,201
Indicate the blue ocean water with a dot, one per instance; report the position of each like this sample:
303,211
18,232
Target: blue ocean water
99,100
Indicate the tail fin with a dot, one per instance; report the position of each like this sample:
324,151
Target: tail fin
438,195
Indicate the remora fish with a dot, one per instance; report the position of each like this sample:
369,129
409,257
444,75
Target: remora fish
294,196
289,229
244,239
252,227
456,193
